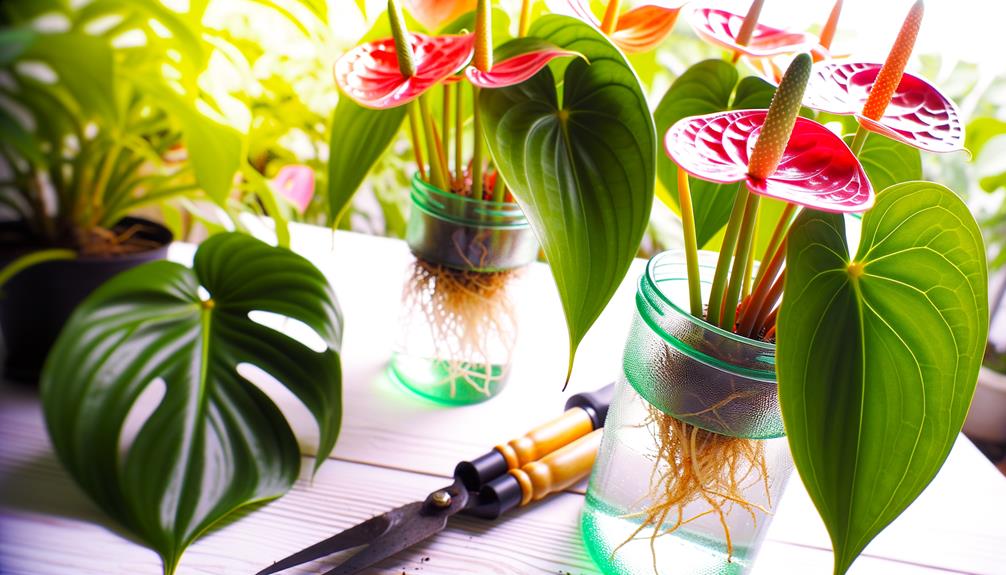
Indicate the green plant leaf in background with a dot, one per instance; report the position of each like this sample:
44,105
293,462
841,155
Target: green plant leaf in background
359,138
888,162
214,442
878,355
83,65
707,87
582,168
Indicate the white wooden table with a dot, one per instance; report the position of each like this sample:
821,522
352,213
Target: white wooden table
395,448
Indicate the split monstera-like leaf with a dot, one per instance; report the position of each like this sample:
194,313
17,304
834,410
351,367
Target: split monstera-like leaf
640,29
721,28
918,115
582,170
817,169
877,355
369,73
214,442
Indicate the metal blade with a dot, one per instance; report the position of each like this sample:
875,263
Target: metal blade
355,536
410,524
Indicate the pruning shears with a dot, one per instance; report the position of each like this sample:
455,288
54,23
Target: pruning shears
547,459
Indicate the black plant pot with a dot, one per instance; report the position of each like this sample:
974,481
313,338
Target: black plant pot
36,302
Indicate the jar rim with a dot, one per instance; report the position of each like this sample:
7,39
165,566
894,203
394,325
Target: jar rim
652,299
435,202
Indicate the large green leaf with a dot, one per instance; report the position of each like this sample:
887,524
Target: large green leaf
888,162
707,87
359,137
83,65
581,167
878,355
214,442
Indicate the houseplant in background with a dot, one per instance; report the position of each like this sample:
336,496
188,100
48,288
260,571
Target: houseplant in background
465,228
167,347
706,391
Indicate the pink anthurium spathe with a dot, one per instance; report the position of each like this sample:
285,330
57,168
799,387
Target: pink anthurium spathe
519,60
817,169
723,29
435,14
918,114
640,29
371,76
295,183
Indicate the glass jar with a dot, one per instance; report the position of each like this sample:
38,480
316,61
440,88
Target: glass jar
458,324
694,457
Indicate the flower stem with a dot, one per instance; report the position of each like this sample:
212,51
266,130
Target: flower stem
762,288
445,136
611,16
525,18
477,149
416,144
749,266
780,231
744,242
437,176
403,48
859,140
723,262
691,247
459,125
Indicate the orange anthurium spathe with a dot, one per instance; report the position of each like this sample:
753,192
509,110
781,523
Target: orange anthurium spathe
637,30
435,14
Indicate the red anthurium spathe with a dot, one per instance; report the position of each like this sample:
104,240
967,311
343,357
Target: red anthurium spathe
296,184
369,73
518,60
722,28
639,29
817,169
918,115
435,14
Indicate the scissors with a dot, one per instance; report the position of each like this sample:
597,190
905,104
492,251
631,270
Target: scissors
547,459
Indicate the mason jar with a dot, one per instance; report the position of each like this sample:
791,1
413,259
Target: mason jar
458,323
694,458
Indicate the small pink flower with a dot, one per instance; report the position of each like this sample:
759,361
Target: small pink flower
295,182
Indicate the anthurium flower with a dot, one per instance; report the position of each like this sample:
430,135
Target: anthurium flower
435,14
295,182
520,59
724,29
370,73
775,152
637,30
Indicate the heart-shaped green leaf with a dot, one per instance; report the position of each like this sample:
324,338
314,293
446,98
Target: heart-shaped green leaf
878,355
581,167
705,88
888,162
214,442
359,137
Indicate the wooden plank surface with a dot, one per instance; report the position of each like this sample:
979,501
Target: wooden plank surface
395,447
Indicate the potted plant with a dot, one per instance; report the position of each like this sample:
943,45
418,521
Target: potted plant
864,363
467,231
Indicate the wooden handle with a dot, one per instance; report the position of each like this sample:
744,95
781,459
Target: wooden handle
559,469
546,438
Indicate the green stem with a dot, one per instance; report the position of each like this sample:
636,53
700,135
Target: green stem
459,124
771,269
417,149
477,149
723,262
445,123
691,244
34,258
437,176
744,242
859,140
749,266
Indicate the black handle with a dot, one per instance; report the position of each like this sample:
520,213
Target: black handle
595,403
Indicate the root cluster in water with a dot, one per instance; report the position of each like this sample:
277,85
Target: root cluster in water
471,319
695,465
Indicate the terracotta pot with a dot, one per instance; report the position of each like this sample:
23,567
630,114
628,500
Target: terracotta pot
37,302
